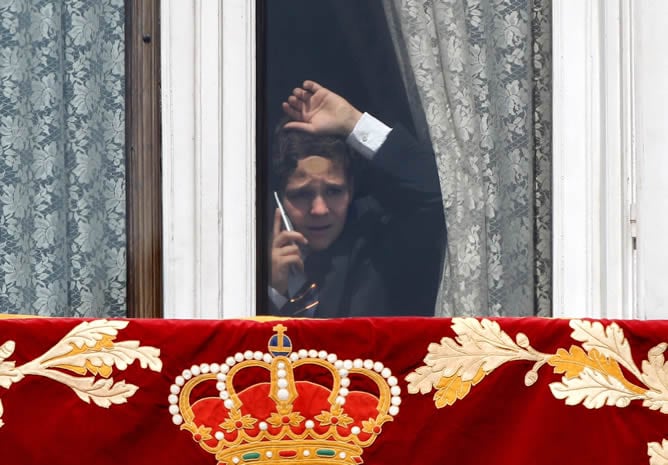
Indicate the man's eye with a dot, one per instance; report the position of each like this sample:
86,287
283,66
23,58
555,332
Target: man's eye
298,195
332,191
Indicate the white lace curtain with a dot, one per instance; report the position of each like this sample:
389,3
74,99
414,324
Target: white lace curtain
62,172
478,77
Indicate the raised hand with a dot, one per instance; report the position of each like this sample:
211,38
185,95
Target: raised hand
318,110
284,254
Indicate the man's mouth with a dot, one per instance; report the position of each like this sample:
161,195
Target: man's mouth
319,229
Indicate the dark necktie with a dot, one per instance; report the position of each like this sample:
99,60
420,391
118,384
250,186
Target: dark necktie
305,301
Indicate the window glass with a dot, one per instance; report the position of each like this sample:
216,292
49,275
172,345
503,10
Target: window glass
406,115
354,249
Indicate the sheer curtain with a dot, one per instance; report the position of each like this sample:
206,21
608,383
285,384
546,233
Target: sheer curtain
62,186
478,77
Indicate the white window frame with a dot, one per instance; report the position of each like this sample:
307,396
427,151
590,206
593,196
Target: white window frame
650,66
593,159
208,108
208,115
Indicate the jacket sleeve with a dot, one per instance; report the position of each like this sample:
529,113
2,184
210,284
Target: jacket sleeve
403,178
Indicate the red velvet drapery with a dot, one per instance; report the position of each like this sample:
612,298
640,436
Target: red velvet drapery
419,391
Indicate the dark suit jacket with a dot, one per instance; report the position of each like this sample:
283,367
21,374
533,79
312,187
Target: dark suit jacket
387,261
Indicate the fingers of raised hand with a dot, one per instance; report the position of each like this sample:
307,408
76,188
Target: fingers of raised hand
296,103
311,86
290,111
301,95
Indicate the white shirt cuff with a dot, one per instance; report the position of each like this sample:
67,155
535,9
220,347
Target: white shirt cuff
368,135
277,298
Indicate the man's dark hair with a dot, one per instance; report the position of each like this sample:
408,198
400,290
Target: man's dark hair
291,145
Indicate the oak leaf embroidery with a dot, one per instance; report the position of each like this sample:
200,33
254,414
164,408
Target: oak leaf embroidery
89,348
595,374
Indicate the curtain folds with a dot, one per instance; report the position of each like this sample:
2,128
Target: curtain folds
478,75
62,169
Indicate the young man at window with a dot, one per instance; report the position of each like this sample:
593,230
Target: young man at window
369,232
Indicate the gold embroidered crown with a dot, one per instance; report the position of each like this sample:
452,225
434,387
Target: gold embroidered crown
284,406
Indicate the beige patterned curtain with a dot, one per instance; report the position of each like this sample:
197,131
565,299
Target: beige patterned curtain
478,74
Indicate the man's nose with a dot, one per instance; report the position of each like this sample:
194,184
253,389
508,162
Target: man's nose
319,206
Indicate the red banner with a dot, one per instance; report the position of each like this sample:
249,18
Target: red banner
375,391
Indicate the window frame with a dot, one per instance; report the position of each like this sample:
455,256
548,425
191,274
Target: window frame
208,166
594,145
143,159
210,234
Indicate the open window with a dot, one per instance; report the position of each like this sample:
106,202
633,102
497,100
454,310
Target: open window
471,84
348,49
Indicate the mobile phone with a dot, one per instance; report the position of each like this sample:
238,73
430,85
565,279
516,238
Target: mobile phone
287,224
297,279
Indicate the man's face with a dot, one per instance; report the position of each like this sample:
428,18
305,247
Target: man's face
317,196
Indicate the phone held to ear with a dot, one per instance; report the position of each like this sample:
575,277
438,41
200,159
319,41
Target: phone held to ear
287,224
297,279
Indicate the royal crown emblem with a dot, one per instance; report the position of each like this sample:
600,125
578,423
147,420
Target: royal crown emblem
285,406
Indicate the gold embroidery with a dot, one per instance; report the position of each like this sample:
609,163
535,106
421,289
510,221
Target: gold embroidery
283,435
335,417
453,388
202,433
371,426
236,421
592,374
277,420
573,363
107,342
88,348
